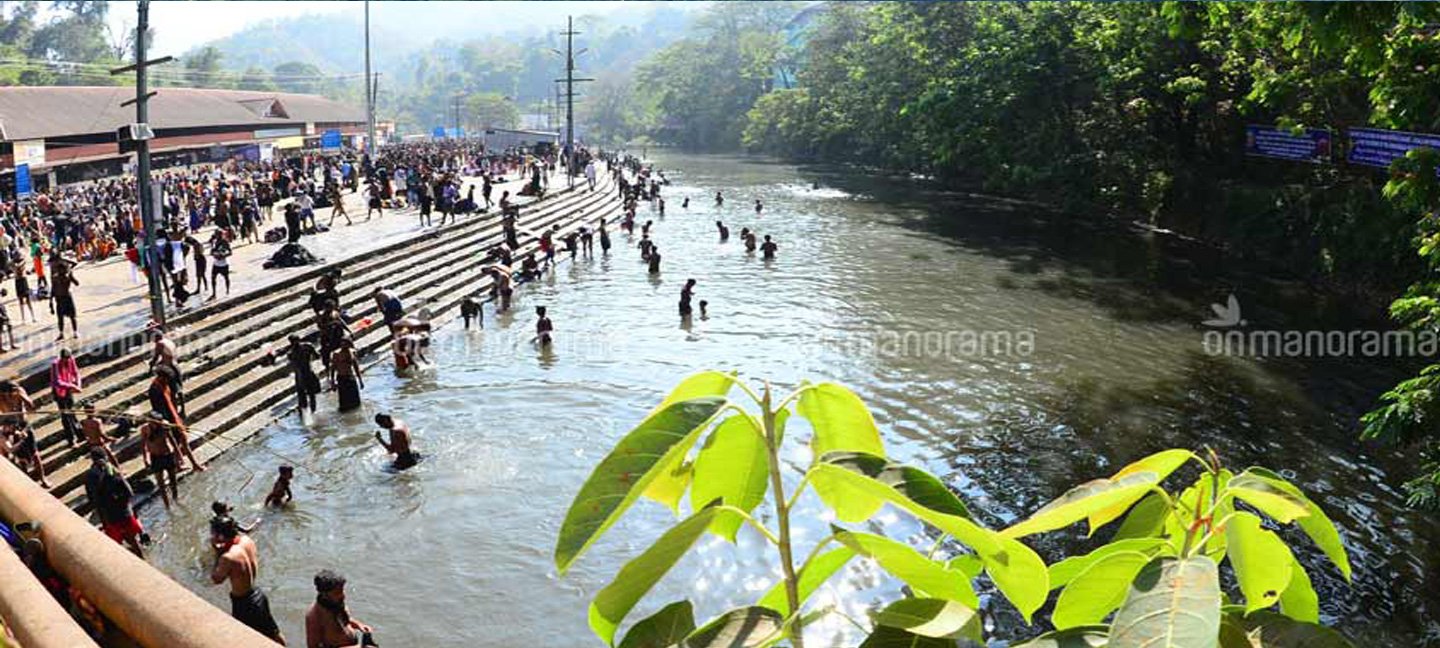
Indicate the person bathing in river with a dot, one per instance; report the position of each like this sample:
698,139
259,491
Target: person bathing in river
685,204
280,494
768,249
345,374
724,231
758,207
686,294
328,623
390,307
719,199
301,356
749,238
238,561
704,305
399,443
409,345
470,311
157,449
604,238
654,259
646,247
543,327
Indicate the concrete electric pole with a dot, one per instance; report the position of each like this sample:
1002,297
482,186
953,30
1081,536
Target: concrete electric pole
369,91
570,81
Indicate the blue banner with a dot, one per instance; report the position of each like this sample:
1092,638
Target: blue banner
330,140
22,181
1378,148
1311,145
438,133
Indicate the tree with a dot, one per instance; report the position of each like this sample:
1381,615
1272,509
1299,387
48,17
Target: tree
298,76
490,110
256,78
203,67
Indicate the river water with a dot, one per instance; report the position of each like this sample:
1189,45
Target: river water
1008,349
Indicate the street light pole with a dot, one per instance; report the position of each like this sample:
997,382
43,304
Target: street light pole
142,159
369,91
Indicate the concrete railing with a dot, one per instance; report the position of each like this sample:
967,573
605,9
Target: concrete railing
31,613
143,602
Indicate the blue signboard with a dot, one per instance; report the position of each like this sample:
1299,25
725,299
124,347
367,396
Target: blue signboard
1378,148
438,133
22,180
330,140
1310,145
455,133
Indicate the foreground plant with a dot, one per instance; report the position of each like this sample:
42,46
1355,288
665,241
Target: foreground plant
1159,576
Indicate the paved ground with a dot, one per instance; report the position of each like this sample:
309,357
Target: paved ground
112,302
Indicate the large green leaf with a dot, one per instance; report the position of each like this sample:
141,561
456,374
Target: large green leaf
1173,603
674,476
926,576
1270,630
733,466
855,505
841,420
1264,495
1087,499
930,617
1299,600
812,575
1261,560
1061,573
622,475
1016,569
1161,463
1086,637
852,473
1098,590
641,573
1317,525
888,637
1146,518
664,629
747,627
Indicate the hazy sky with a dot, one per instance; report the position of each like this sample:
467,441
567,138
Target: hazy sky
181,24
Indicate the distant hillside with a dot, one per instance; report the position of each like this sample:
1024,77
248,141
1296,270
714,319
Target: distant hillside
334,43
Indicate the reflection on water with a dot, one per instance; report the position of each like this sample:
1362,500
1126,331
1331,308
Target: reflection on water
921,301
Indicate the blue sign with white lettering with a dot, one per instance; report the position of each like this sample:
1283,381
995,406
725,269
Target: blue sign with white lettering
330,140
438,133
22,181
1310,145
1378,148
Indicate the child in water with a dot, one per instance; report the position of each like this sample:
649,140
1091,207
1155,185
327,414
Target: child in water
543,327
280,494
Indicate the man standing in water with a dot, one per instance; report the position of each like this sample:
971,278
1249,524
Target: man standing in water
157,449
238,561
399,444
724,231
719,199
543,327
328,624
301,355
758,207
686,294
110,494
767,249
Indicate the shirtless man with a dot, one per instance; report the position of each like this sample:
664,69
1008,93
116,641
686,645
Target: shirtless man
645,245
163,402
95,435
767,250
758,207
501,283
719,199
399,444
166,354
328,623
237,560
724,231
543,327
686,294
157,449
15,404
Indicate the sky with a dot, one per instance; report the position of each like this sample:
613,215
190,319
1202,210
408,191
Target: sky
182,24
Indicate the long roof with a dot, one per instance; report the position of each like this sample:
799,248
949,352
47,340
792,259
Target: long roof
35,112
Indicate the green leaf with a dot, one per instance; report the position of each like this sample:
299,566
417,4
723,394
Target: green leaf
734,467
861,475
888,637
1078,503
1161,463
622,475
1016,569
664,629
1317,525
1299,600
1098,591
1261,561
1174,603
841,420
1061,573
969,564
928,577
674,476
1146,518
1267,497
812,575
747,627
852,505
1270,630
1084,637
930,617
641,573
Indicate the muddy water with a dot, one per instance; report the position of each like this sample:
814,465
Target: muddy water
1010,350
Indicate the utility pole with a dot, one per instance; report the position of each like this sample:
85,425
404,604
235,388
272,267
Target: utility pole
141,133
570,81
457,98
369,91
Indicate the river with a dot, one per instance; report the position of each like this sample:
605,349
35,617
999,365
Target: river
1009,349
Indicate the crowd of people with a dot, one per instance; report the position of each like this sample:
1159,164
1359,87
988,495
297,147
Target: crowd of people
425,176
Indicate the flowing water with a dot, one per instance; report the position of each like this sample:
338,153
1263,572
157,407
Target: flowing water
1008,349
